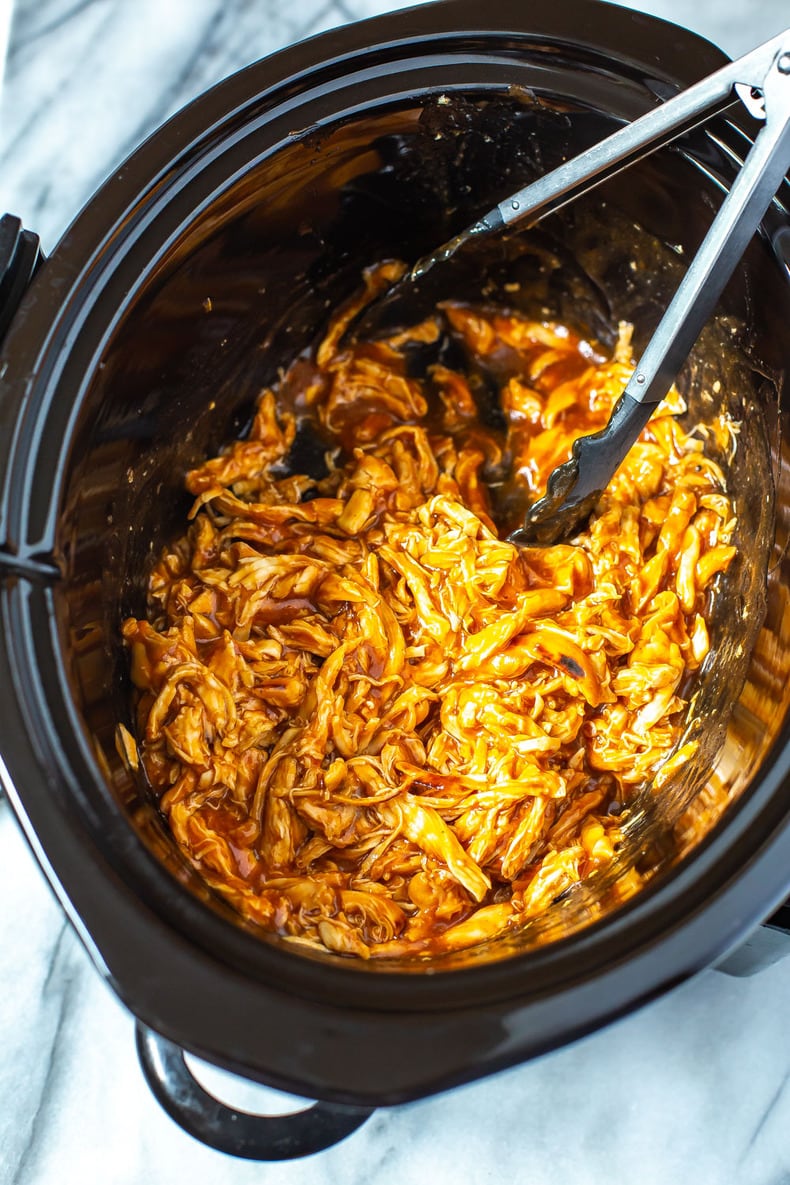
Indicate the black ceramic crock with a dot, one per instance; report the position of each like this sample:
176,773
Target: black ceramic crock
207,260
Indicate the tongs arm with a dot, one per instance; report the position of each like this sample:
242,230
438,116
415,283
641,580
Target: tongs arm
670,119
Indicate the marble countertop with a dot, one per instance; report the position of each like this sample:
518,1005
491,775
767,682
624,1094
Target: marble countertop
695,1087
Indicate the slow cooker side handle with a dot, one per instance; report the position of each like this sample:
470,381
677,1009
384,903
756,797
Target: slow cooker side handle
254,1137
20,258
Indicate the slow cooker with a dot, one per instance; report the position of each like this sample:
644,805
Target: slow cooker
210,258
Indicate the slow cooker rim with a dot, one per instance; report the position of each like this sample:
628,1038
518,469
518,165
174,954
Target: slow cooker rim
40,548
26,328
460,32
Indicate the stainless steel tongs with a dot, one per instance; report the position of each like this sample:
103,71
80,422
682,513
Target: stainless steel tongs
761,79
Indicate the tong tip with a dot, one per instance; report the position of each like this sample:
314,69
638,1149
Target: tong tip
558,513
488,224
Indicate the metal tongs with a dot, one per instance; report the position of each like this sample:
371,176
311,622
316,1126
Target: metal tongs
761,79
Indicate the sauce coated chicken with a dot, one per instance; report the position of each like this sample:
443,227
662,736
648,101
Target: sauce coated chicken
374,725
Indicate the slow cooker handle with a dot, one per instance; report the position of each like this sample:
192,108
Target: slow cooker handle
20,257
254,1137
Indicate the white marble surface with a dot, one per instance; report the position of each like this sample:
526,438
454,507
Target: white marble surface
695,1088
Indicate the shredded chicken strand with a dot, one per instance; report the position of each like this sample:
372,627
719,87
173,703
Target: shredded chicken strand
373,724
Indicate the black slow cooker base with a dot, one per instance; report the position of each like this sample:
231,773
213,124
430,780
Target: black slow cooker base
208,261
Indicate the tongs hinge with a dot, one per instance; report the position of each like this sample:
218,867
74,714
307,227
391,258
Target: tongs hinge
736,222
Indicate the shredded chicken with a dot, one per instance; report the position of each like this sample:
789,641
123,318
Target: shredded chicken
373,724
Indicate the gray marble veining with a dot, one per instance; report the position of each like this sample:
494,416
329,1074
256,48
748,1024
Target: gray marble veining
695,1087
